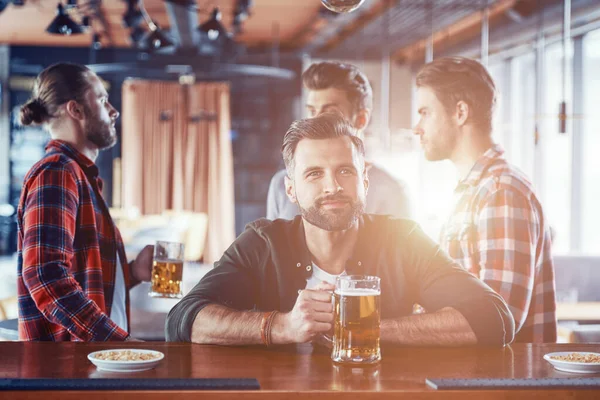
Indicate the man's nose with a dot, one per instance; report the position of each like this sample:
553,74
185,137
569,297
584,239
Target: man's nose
331,184
114,114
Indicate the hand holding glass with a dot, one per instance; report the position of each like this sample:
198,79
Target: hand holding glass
167,270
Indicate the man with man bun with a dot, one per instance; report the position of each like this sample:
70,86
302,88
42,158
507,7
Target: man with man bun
73,277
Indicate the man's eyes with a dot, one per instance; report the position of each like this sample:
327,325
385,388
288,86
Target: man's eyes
343,171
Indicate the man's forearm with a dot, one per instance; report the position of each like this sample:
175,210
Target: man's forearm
446,327
216,324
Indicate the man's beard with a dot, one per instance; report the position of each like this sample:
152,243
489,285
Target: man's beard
99,132
333,219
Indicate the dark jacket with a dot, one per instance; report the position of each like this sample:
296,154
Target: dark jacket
269,263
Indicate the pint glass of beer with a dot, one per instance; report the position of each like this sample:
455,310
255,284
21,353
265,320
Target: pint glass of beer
356,320
167,270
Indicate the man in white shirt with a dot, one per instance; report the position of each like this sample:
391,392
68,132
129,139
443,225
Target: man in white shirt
343,88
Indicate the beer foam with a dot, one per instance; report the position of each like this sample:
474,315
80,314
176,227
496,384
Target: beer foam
358,292
168,260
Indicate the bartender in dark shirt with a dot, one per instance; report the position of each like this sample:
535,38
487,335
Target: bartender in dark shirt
272,285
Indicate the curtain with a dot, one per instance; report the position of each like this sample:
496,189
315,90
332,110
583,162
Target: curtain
176,154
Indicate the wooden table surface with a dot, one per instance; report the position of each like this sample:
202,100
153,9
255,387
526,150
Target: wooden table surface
296,372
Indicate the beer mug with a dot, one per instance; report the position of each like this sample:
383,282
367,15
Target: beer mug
167,270
356,320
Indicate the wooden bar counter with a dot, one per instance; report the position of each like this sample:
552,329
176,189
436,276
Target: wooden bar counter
296,372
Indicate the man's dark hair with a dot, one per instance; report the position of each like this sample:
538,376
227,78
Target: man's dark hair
455,79
345,77
325,126
55,86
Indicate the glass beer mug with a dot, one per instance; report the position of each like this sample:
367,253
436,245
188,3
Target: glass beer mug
167,270
356,320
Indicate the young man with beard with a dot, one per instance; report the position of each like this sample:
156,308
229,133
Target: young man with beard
73,278
497,230
282,271
343,88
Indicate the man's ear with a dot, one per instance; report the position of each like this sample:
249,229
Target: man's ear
289,190
361,119
75,110
462,113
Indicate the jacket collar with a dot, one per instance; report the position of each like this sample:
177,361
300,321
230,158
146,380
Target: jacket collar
360,263
87,165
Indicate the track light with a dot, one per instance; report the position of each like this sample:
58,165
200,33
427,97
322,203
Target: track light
213,28
242,9
342,6
136,35
96,42
62,24
155,39
133,16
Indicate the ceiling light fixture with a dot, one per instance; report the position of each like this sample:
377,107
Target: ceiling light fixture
136,34
342,6
96,42
133,16
241,12
62,24
155,39
213,28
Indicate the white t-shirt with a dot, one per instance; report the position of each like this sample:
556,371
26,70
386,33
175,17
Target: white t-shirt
118,313
318,276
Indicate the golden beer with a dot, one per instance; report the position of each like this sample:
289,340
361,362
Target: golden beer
167,270
166,278
356,322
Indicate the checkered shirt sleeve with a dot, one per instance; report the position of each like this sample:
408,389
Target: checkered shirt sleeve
506,246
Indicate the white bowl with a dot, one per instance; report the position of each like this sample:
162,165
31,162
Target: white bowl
570,366
125,366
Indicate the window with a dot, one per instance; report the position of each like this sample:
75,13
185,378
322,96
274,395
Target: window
549,164
556,148
590,163
500,130
430,185
522,113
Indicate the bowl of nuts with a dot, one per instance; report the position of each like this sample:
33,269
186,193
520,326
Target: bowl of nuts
125,360
580,362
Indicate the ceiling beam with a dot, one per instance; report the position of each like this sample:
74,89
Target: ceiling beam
306,34
463,29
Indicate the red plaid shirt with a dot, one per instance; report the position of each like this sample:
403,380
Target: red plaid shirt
498,232
68,246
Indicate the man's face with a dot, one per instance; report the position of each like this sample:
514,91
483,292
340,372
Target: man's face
329,183
437,130
331,99
100,116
